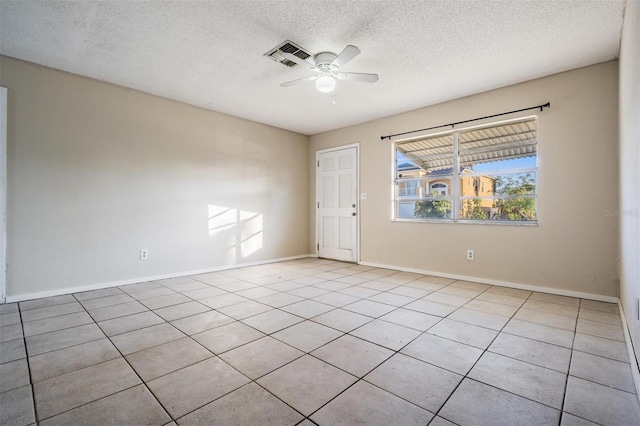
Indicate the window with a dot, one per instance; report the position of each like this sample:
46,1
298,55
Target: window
439,188
481,175
409,188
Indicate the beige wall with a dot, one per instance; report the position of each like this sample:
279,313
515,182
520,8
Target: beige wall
97,172
574,247
630,169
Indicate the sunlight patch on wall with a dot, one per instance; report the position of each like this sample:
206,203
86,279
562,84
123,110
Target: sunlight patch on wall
221,219
242,228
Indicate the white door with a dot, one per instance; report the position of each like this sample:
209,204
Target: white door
337,186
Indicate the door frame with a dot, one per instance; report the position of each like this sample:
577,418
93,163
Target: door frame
3,192
356,254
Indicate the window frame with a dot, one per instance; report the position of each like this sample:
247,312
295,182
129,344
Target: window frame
454,189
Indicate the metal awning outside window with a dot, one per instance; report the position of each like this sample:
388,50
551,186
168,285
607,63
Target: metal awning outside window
484,145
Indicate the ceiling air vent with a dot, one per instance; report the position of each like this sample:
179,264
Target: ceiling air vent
289,47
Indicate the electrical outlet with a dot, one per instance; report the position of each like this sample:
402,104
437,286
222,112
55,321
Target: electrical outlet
144,254
471,255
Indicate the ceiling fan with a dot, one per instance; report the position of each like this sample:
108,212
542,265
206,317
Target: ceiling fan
327,68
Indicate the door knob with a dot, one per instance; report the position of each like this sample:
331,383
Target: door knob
353,214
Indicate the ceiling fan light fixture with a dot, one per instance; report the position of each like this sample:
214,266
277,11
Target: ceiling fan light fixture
325,84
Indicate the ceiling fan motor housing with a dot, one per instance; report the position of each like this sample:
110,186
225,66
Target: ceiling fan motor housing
324,61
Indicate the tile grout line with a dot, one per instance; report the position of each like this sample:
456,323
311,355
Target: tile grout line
135,372
466,375
121,356
396,352
122,390
566,382
26,353
235,369
362,379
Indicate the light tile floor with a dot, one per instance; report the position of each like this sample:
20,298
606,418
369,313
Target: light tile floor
314,342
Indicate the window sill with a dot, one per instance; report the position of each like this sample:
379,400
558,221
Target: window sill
530,223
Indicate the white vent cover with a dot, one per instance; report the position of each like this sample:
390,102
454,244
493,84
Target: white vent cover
288,47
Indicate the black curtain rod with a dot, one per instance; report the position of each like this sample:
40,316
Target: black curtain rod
547,105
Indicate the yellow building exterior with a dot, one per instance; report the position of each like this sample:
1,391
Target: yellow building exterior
420,184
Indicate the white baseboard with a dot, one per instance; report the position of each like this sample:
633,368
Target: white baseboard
633,360
529,287
69,290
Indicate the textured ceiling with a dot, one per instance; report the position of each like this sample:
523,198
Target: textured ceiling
209,53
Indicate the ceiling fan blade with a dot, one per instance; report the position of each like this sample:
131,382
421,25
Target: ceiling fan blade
300,80
357,76
297,60
346,56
